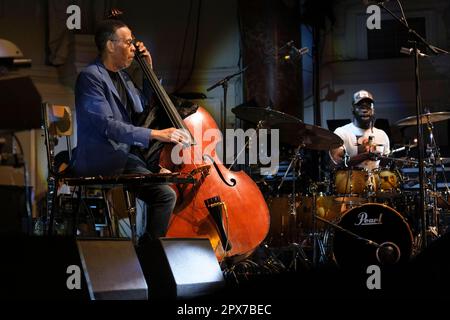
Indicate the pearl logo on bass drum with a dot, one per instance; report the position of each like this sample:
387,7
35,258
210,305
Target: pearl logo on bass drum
364,220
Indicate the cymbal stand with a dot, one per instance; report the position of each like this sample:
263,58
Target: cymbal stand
296,161
224,83
295,165
435,160
416,39
318,244
259,126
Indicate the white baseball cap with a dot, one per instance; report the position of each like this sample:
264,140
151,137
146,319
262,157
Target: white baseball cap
361,95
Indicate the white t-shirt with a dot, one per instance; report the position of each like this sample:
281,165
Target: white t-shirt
354,136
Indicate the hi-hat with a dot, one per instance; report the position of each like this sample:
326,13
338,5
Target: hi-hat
424,118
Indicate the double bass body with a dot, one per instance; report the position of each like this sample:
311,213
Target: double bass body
229,209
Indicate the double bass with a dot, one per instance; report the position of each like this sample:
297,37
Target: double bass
224,206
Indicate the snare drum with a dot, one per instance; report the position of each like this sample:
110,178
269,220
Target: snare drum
387,182
351,182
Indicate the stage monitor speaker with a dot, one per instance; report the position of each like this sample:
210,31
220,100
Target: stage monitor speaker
35,268
181,268
112,270
42,268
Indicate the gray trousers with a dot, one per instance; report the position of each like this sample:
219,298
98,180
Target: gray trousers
160,199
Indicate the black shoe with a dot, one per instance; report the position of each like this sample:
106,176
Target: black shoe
144,240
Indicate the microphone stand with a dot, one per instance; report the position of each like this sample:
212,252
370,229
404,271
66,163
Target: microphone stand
224,83
420,142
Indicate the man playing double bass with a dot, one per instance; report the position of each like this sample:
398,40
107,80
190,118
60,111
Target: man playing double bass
107,139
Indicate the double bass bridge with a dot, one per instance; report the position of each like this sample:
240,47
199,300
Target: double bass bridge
215,208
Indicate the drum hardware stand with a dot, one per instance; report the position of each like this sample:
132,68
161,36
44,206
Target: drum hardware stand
224,83
416,39
295,162
259,126
433,229
298,253
295,165
316,243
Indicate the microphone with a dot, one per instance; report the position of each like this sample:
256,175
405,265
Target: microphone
294,51
409,51
226,79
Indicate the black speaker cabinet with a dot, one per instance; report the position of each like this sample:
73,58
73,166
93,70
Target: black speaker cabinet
112,270
42,268
35,268
181,268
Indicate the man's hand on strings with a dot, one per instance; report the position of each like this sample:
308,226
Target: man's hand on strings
143,52
171,135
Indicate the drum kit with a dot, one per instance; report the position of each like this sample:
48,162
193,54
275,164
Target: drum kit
360,217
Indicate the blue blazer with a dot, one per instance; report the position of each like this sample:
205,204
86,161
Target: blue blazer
104,129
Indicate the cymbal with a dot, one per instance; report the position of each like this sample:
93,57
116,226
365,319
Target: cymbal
424,118
292,130
269,117
312,137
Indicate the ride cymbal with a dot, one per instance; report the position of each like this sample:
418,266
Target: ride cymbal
424,118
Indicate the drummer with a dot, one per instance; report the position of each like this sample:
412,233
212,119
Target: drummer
363,143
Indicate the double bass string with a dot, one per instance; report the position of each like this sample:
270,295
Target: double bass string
173,114
194,154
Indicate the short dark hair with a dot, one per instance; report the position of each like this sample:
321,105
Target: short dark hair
105,31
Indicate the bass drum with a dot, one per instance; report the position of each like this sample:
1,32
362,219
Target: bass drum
376,222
